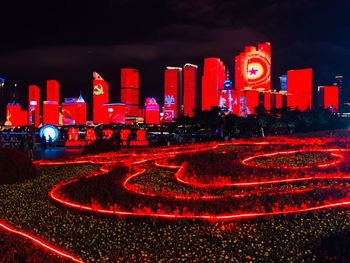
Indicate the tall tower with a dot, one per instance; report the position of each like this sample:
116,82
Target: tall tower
100,97
212,81
172,93
130,90
190,89
50,106
34,105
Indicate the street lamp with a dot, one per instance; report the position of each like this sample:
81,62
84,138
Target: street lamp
161,122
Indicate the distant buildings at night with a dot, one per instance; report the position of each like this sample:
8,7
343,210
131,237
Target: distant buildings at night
251,89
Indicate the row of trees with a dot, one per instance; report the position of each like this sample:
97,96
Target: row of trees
262,122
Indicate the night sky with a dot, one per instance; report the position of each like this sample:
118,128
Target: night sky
67,40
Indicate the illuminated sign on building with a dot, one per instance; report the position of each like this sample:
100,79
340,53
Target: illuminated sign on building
172,93
253,67
49,131
100,97
151,111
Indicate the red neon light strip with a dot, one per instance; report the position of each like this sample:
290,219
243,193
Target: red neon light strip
40,242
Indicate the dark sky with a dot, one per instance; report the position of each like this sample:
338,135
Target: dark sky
67,40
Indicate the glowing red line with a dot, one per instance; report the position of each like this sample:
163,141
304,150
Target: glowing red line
40,242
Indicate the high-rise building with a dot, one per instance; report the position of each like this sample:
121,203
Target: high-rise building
190,89
253,68
116,113
212,82
50,112
81,111
130,90
252,100
151,111
172,93
53,90
100,97
299,87
34,105
15,116
328,97
339,83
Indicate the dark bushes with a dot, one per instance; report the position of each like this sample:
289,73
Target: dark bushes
15,166
100,146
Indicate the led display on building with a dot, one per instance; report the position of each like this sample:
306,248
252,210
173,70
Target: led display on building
100,97
299,87
50,112
329,96
212,82
52,90
130,90
172,93
253,67
115,113
34,105
190,89
15,116
151,111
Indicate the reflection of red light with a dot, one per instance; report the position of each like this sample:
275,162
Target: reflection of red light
39,242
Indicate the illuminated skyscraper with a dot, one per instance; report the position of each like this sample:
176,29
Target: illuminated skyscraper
100,97
50,112
253,67
81,111
328,97
53,90
130,90
190,89
15,116
212,82
339,81
172,93
299,87
151,111
34,105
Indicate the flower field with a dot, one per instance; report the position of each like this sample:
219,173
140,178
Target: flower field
280,199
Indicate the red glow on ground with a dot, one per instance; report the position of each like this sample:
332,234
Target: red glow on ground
39,242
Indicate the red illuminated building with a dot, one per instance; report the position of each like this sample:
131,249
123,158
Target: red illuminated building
130,90
253,67
299,86
267,100
212,82
52,90
15,116
74,111
329,97
190,89
81,111
50,112
151,111
252,100
172,93
100,97
34,105
116,113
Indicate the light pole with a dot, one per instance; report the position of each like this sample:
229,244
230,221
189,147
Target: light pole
161,122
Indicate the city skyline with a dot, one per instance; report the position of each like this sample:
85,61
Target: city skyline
163,33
